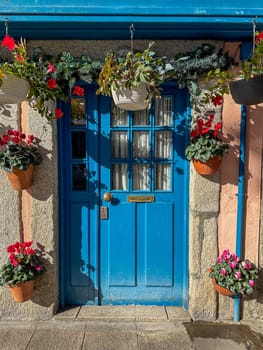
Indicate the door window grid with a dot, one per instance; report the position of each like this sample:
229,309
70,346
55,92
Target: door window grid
147,147
79,142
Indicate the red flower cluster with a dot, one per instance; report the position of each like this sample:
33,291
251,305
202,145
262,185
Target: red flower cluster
15,136
79,91
217,100
205,127
9,42
18,250
259,37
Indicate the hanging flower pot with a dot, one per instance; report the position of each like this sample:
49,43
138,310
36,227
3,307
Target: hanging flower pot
22,291
131,99
208,168
248,91
13,90
21,179
221,290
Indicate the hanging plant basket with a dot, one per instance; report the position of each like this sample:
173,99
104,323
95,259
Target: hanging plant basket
22,291
13,90
248,92
131,100
21,179
208,168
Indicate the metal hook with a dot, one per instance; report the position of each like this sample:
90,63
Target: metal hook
132,30
6,26
254,23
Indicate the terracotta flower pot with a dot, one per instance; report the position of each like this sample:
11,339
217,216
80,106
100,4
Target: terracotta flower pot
131,100
208,168
22,291
21,179
221,290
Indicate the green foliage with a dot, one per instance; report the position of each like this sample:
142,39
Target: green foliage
205,141
190,66
20,157
18,151
69,70
203,148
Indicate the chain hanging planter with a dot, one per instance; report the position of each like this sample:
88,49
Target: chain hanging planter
248,91
21,179
13,90
22,291
131,99
208,168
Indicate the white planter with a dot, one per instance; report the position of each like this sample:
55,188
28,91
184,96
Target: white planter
131,100
13,90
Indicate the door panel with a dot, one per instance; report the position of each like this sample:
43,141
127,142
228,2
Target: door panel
133,249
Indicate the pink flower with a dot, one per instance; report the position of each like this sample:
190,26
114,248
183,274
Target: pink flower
235,257
38,268
224,272
51,68
232,264
251,283
238,275
246,265
219,259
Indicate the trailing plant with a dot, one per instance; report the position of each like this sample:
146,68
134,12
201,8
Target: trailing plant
18,150
24,264
132,70
188,67
237,275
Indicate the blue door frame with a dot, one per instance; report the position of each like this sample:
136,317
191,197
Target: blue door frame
80,214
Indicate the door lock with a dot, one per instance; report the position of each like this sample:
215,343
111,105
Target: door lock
107,196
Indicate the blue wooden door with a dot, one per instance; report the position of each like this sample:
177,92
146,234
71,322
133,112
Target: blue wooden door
125,202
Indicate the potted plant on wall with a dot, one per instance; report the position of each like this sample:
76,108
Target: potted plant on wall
245,85
206,148
132,80
37,86
22,269
233,276
18,155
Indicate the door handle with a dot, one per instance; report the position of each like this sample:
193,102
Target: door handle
107,196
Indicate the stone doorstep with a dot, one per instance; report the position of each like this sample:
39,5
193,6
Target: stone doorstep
123,313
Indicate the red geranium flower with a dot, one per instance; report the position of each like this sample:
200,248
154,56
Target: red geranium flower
259,37
52,83
58,113
217,100
9,42
78,91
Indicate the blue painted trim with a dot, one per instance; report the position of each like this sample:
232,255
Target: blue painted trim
188,118
116,26
61,221
240,203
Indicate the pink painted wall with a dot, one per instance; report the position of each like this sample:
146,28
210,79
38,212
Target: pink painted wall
227,219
